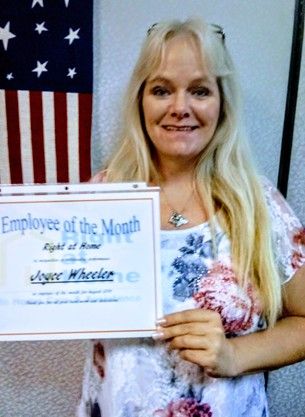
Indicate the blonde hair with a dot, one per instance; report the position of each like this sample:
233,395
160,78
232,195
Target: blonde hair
225,177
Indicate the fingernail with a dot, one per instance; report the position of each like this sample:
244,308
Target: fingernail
157,335
160,321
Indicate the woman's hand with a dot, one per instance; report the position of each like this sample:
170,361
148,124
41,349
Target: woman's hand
199,337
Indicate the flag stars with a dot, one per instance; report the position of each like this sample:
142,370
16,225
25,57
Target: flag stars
40,68
40,27
40,2
73,34
9,76
6,35
71,73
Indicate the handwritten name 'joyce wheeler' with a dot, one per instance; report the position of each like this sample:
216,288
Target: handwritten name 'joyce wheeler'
73,275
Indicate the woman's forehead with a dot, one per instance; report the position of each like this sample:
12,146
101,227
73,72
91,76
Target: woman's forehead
181,52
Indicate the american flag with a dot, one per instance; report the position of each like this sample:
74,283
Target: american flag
45,90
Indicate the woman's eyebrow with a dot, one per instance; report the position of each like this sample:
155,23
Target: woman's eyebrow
204,79
164,80
159,79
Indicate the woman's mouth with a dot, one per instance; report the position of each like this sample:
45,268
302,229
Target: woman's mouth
179,128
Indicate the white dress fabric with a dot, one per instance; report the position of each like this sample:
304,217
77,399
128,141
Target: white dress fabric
141,378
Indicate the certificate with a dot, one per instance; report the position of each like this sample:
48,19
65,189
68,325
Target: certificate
79,261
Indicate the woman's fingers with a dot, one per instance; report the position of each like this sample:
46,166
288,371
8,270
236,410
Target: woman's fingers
189,322
165,333
189,316
189,342
204,359
214,354
198,337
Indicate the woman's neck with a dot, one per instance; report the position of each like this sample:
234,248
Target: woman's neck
173,173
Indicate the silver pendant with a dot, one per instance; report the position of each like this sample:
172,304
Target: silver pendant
177,219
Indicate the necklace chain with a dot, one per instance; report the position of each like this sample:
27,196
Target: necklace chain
176,218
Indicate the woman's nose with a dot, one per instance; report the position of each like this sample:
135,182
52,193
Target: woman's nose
180,106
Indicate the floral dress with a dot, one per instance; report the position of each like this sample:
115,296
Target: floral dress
141,378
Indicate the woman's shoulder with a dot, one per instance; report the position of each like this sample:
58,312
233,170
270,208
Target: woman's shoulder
275,199
287,232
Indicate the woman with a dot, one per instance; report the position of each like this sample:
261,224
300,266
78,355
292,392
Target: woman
228,243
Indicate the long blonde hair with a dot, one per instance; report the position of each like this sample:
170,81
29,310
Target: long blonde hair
225,176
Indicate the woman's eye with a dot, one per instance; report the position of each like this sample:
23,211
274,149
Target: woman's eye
160,91
200,91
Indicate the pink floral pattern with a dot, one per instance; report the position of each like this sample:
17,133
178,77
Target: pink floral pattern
219,291
297,260
298,255
299,237
188,407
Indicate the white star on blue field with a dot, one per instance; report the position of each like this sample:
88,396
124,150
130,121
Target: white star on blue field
46,46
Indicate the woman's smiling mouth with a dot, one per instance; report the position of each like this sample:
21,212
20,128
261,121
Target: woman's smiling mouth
179,128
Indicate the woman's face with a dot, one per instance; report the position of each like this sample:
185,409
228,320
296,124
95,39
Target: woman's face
181,103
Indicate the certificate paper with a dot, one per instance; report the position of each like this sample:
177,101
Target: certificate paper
79,262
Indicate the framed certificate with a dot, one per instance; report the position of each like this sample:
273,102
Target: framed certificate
79,261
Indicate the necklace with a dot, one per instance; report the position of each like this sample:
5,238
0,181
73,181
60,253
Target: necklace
176,217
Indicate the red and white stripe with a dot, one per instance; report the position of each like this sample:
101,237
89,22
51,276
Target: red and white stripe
45,137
